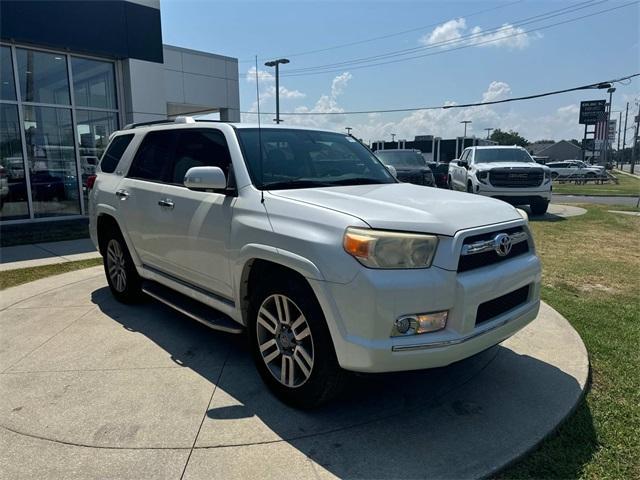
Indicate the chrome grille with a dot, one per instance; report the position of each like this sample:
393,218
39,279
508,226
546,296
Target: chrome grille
482,250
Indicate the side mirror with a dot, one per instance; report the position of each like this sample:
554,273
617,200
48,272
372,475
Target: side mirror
205,178
392,171
463,163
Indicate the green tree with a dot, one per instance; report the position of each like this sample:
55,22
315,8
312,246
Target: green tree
508,138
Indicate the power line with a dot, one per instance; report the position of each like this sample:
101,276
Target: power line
357,67
462,39
464,105
382,37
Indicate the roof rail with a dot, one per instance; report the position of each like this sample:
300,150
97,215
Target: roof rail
180,119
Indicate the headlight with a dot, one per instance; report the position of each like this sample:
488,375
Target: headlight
382,249
482,176
523,214
547,175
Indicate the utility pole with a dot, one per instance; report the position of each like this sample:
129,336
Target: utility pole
624,132
635,141
276,63
489,132
619,131
607,147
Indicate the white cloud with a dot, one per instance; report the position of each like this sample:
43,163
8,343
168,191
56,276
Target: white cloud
455,32
263,76
448,31
339,84
506,36
496,91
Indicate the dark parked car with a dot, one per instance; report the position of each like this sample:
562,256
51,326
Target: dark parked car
410,166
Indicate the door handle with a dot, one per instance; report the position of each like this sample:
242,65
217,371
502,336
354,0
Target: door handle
122,194
166,203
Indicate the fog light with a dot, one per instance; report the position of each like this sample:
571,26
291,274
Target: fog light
419,323
403,324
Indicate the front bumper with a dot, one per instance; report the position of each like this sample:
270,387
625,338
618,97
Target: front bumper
360,314
523,196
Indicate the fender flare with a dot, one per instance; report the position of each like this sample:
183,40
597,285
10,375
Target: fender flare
105,209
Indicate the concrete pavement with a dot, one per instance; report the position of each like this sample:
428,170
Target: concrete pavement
37,254
93,389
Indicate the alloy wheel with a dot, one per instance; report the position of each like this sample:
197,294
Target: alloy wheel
285,341
116,265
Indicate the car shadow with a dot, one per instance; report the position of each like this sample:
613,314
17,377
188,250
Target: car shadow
401,425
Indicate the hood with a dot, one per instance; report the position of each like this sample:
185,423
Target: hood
407,207
491,165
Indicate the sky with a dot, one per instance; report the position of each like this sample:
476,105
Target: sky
427,53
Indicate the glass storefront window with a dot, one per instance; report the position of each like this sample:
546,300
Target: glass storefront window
93,83
92,130
51,161
13,187
43,77
7,83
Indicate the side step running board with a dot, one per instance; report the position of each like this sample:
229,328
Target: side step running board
191,308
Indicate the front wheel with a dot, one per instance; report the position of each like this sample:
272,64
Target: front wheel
539,207
122,276
469,187
291,344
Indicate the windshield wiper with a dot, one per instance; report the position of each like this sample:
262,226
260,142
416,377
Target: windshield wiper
294,184
358,181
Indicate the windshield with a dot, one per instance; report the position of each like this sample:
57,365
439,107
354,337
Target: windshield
491,155
306,159
401,159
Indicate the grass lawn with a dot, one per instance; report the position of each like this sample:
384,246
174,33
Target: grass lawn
591,274
628,186
11,278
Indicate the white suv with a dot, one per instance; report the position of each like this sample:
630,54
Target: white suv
506,173
302,239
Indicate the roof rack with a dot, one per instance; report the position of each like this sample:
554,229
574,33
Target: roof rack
179,119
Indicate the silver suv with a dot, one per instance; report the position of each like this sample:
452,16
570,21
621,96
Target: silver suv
304,241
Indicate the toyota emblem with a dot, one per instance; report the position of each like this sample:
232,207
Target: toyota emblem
502,244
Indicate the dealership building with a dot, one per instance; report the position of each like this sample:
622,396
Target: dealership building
72,73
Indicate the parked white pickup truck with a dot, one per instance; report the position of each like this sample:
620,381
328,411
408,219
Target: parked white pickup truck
304,241
506,173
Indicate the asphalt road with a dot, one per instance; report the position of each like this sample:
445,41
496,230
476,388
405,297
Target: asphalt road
628,201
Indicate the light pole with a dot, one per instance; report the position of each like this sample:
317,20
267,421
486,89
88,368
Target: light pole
465,127
276,63
489,131
348,129
393,137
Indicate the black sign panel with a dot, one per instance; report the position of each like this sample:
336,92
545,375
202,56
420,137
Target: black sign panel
591,111
110,28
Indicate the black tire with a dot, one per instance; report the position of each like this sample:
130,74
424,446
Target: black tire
126,286
449,183
469,187
539,207
326,378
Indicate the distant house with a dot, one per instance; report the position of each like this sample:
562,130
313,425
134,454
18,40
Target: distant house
559,151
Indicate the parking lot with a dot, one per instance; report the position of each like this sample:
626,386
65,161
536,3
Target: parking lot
100,389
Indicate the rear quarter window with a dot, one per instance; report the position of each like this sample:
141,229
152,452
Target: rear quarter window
114,153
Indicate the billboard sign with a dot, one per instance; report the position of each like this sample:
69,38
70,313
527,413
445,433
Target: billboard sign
613,127
591,110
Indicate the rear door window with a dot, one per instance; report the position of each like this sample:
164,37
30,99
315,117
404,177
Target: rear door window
154,159
114,153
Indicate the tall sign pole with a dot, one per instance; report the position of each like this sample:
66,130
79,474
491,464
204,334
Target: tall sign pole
635,141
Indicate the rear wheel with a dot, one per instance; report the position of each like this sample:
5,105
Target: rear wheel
291,344
123,279
539,207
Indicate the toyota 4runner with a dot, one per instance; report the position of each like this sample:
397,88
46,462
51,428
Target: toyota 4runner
304,241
